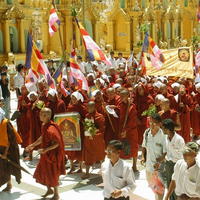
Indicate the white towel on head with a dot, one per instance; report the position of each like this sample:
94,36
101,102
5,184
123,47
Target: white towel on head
52,92
78,96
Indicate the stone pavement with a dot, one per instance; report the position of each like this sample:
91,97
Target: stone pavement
71,186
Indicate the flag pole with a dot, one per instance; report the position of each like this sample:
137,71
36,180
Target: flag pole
62,46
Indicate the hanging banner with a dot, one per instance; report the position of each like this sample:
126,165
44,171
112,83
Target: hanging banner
70,129
178,63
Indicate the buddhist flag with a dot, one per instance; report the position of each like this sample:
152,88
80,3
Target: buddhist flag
155,55
54,21
76,72
58,74
93,50
35,62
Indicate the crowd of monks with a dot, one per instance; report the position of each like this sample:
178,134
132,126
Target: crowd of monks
125,91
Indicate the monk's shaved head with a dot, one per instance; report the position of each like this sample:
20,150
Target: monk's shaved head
45,115
47,111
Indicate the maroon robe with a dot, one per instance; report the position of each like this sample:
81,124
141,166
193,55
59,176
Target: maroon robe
130,128
24,121
52,163
94,149
195,115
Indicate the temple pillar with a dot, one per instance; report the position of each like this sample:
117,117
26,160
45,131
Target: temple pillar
97,33
22,36
68,32
45,37
6,36
111,34
135,31
128,43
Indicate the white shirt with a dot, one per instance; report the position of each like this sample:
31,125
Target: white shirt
120,60
175,148
155,147
113,61
187,180
18,80
117,177
1,97
82,66
88,67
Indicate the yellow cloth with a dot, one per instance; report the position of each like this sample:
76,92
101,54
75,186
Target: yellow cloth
173,65
4,134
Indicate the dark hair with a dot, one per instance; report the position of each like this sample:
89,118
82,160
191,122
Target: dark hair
156,117
168,124
120,54
116,144
79,57
112,52
19,67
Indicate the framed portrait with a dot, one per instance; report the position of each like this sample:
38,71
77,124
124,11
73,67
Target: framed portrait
184,54
70,129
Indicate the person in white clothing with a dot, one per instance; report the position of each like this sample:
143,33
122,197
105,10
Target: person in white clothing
174,145
120,60
112,59
19,79
118,176
186,177
153,149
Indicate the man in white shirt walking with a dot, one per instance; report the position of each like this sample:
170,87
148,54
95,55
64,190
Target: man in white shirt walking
118,176
174,145
186,177
153,149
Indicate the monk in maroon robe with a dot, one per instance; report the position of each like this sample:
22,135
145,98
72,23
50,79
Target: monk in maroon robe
142,101
54,103
94,145
25,118
195,115
167,113
111,122
184,106
76,105
52,160
128,133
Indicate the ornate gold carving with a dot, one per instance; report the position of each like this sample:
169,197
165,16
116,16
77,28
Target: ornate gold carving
13,13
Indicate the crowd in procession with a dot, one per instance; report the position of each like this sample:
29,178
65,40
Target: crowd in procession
131,112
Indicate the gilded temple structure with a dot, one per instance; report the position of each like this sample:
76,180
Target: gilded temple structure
113,24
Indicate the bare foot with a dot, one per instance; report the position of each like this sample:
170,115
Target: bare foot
85,176
49,192
8,188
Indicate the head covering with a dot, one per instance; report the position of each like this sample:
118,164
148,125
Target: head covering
191,147
65,78
91,74
160,97
52,92
2,114
78,96
197,86
95,92
101,81
116,85
175,85
158,84
31,93
105,77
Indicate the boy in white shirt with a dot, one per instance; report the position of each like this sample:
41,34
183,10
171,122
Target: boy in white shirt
118,176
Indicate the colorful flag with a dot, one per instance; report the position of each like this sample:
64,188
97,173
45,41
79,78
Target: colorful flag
32,77
35,62
154,53
76,72
197,59
58,73
93,50
54,21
